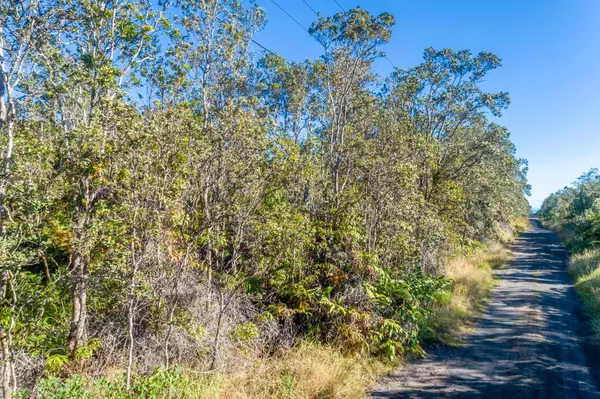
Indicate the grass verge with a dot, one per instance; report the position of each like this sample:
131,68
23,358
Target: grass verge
584,268
306,372
472,277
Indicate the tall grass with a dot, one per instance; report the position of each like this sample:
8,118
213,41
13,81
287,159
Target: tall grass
584,268
305,372
508,234
472,285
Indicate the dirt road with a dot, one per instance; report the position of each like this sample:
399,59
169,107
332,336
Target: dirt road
531,342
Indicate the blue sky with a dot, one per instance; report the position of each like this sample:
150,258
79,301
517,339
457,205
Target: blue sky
550,51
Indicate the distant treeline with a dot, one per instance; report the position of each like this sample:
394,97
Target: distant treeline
170,197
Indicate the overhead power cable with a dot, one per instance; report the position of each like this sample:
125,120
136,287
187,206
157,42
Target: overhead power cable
289,15
263,47
312,9
339,5
270,51
303,27
388,60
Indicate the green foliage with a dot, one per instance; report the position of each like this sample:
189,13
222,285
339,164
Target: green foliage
244,332
86,351
403,303
244,198
575,211
55,363
161,384
56,388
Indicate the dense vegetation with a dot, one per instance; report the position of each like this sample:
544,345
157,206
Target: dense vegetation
575,213
172,200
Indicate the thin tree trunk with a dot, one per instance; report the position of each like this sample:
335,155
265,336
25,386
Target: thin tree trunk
131,310
10,126
218,332
5,342
175,294
6,122
46,267
77,334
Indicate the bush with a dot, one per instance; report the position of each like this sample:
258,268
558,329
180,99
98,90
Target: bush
161,384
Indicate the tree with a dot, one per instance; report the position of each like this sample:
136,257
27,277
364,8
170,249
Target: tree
170,197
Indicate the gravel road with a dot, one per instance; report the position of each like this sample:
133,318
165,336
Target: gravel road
531,342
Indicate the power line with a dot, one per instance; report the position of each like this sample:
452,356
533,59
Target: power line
270,52
263,47
289,15
390,61
312,9
303,27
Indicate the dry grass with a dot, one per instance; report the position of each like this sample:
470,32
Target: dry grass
585,263
584,268
520,225
473,282
305,372
507,235
564,232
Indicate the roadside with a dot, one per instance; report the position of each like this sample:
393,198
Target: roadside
530,342
584,268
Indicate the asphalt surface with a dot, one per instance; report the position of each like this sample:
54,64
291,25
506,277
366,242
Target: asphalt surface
531,342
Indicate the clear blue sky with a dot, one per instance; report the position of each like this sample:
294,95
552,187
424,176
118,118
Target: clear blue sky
550,51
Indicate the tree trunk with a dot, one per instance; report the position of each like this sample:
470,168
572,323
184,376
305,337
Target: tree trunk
174,297
6,365
131,309
5,342
7,123
214,357
78,334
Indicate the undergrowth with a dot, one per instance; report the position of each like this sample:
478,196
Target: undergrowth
308,371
